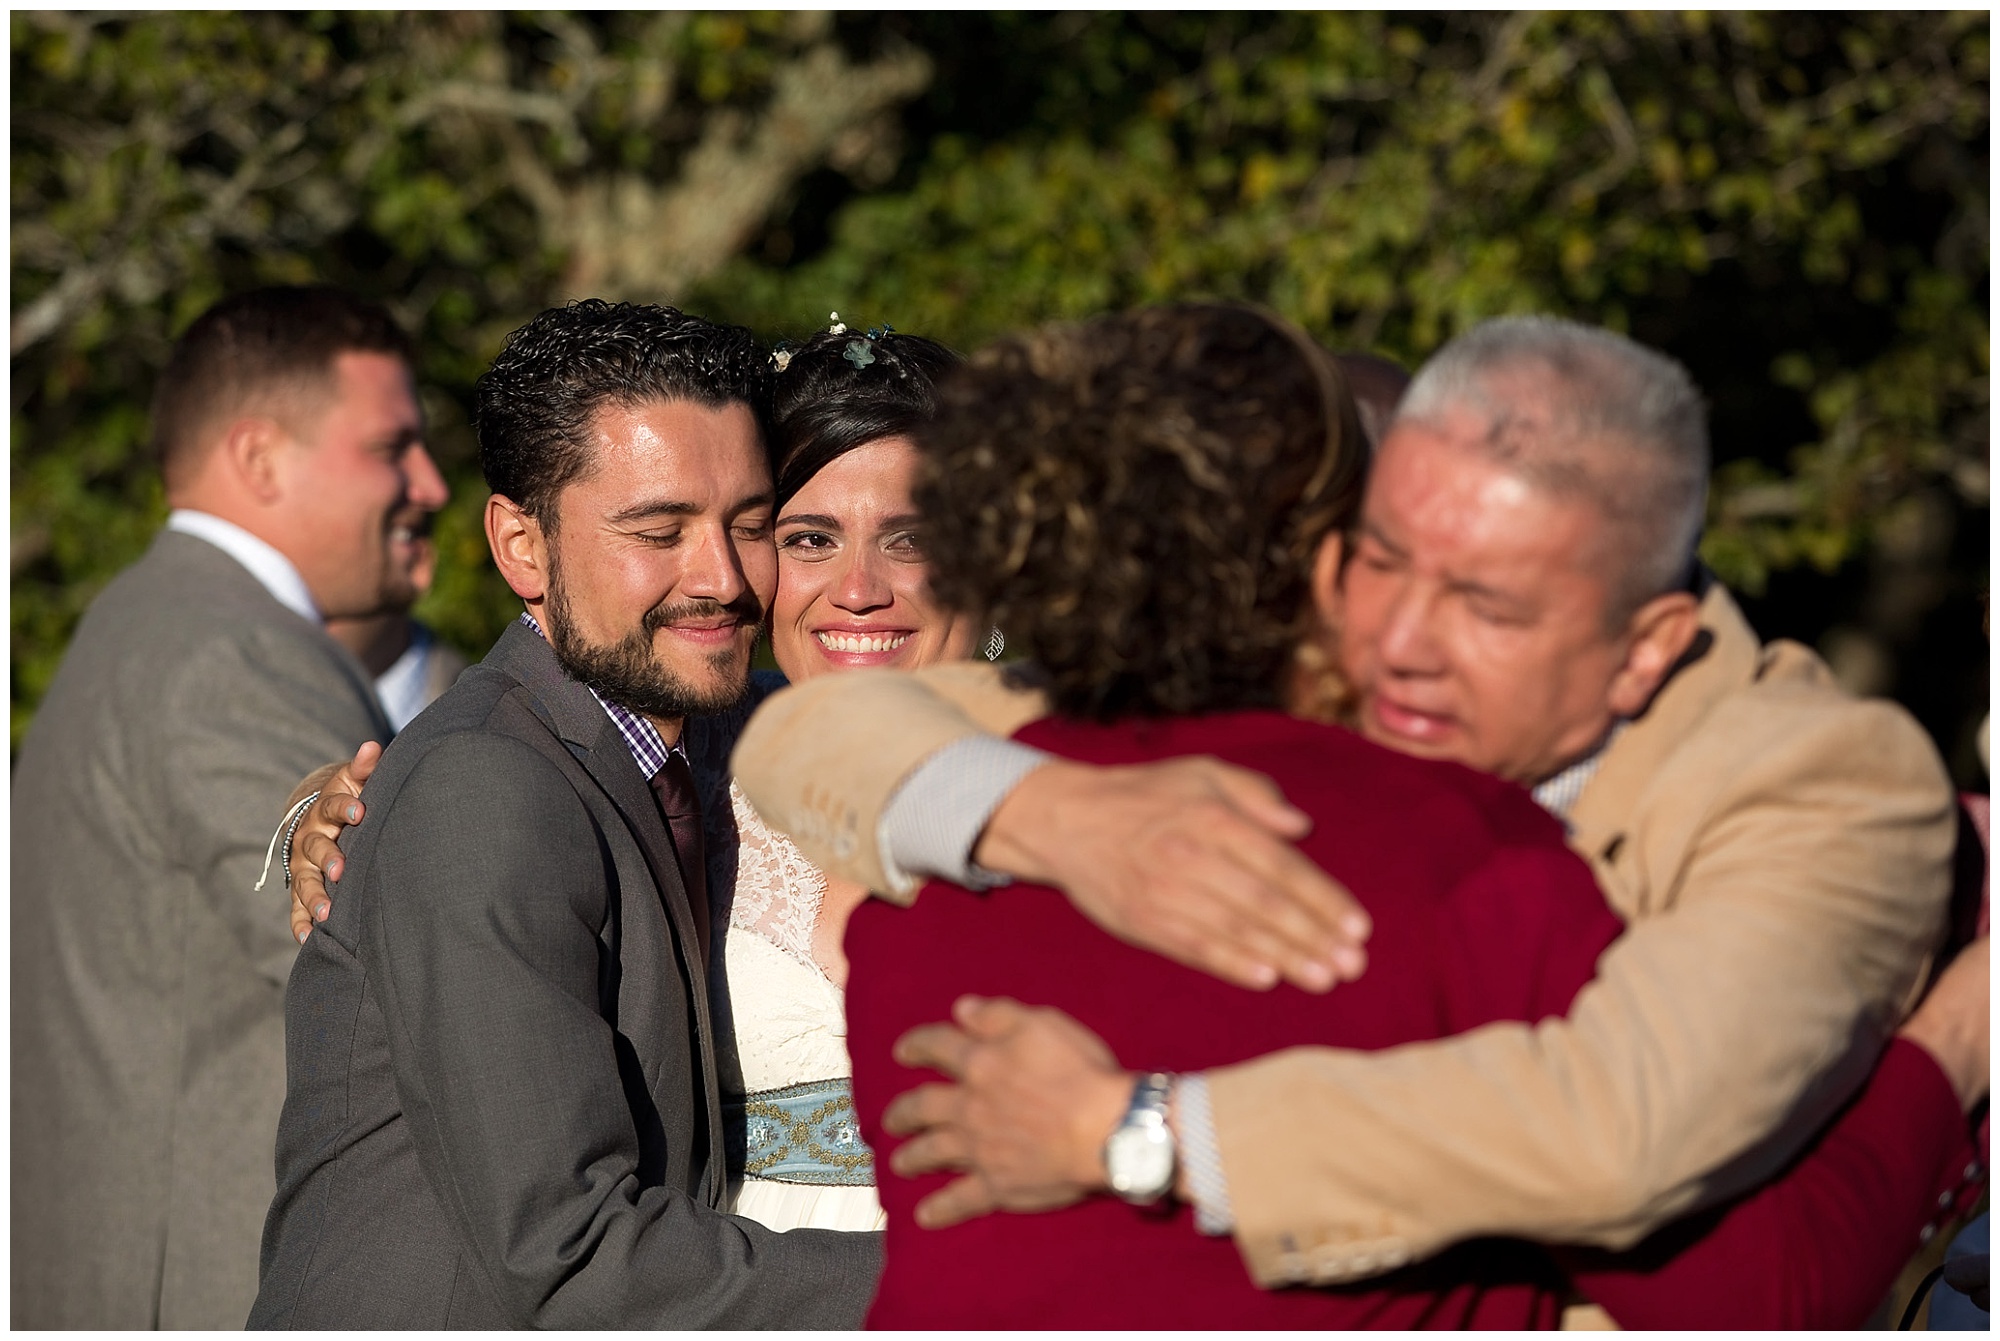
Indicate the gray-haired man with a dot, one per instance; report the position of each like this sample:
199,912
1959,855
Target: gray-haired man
1521,598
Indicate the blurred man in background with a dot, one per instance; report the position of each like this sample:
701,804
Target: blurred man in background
148,968
411,667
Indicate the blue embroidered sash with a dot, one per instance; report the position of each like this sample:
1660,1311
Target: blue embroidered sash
805,1133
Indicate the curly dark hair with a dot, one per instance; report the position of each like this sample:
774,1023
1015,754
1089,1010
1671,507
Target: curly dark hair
1138,500
839,391
532,408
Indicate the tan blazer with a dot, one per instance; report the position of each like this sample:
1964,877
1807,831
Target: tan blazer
1781,850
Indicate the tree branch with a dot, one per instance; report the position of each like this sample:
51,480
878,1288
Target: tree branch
640,239
1500,53
83,284
1605,104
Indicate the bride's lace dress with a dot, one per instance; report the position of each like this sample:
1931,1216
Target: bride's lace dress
797,1159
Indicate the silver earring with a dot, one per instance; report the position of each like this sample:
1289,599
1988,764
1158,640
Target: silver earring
995,644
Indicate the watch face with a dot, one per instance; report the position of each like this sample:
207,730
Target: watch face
1139,1161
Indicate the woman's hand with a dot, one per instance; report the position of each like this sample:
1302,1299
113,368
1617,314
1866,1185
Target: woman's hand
315,857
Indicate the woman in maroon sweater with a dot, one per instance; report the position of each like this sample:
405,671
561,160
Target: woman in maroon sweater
1142,502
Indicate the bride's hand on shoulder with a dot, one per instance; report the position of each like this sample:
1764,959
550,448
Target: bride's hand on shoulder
315,854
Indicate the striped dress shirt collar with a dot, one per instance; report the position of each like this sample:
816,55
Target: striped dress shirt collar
649,750
1558,794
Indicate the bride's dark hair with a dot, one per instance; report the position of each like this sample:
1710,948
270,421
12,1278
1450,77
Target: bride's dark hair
840,390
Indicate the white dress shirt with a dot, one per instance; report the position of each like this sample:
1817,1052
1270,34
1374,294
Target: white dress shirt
405,687
271,569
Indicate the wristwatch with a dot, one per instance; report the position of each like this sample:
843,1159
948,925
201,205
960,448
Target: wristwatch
1139,1154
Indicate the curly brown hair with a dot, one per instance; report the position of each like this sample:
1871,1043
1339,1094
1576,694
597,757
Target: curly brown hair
1138,500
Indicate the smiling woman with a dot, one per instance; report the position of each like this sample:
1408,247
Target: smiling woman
853,592
852,587
852,584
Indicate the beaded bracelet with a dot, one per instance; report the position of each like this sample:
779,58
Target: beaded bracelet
287,826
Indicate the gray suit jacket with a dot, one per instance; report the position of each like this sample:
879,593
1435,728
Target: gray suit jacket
503,1107
148,978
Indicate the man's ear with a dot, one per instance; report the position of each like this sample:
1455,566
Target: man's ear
1658,633
520,549
1327,560
249,451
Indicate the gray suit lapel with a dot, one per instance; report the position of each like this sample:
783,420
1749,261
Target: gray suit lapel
581,723
577,718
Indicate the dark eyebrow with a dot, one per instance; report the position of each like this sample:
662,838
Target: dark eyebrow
826,523
668,507
660,507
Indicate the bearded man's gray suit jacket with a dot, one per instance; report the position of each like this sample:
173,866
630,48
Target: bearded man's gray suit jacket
504,1109
147,975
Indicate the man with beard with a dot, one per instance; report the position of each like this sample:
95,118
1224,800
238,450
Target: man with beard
148,964
504,1110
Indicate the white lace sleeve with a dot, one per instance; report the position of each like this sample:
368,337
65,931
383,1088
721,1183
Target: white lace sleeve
778,892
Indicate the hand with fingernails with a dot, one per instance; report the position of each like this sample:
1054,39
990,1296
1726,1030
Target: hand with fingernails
1032,1098
316,857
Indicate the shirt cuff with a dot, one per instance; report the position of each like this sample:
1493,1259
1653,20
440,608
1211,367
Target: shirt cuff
934,818
1200,1156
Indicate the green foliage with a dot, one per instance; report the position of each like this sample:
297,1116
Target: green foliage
1794,204
1387,180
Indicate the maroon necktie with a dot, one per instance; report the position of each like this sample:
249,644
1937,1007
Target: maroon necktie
674,786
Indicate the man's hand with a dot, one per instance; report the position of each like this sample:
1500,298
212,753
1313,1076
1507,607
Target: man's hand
1188,858
1037,1096
315,858
1954,1023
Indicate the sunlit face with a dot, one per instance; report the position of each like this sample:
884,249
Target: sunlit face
367,489
661,567
1474,609
852,587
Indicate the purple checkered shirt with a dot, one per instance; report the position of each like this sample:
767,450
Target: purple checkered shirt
641,737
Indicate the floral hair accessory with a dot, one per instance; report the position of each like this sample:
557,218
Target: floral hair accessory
781,355
858,351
